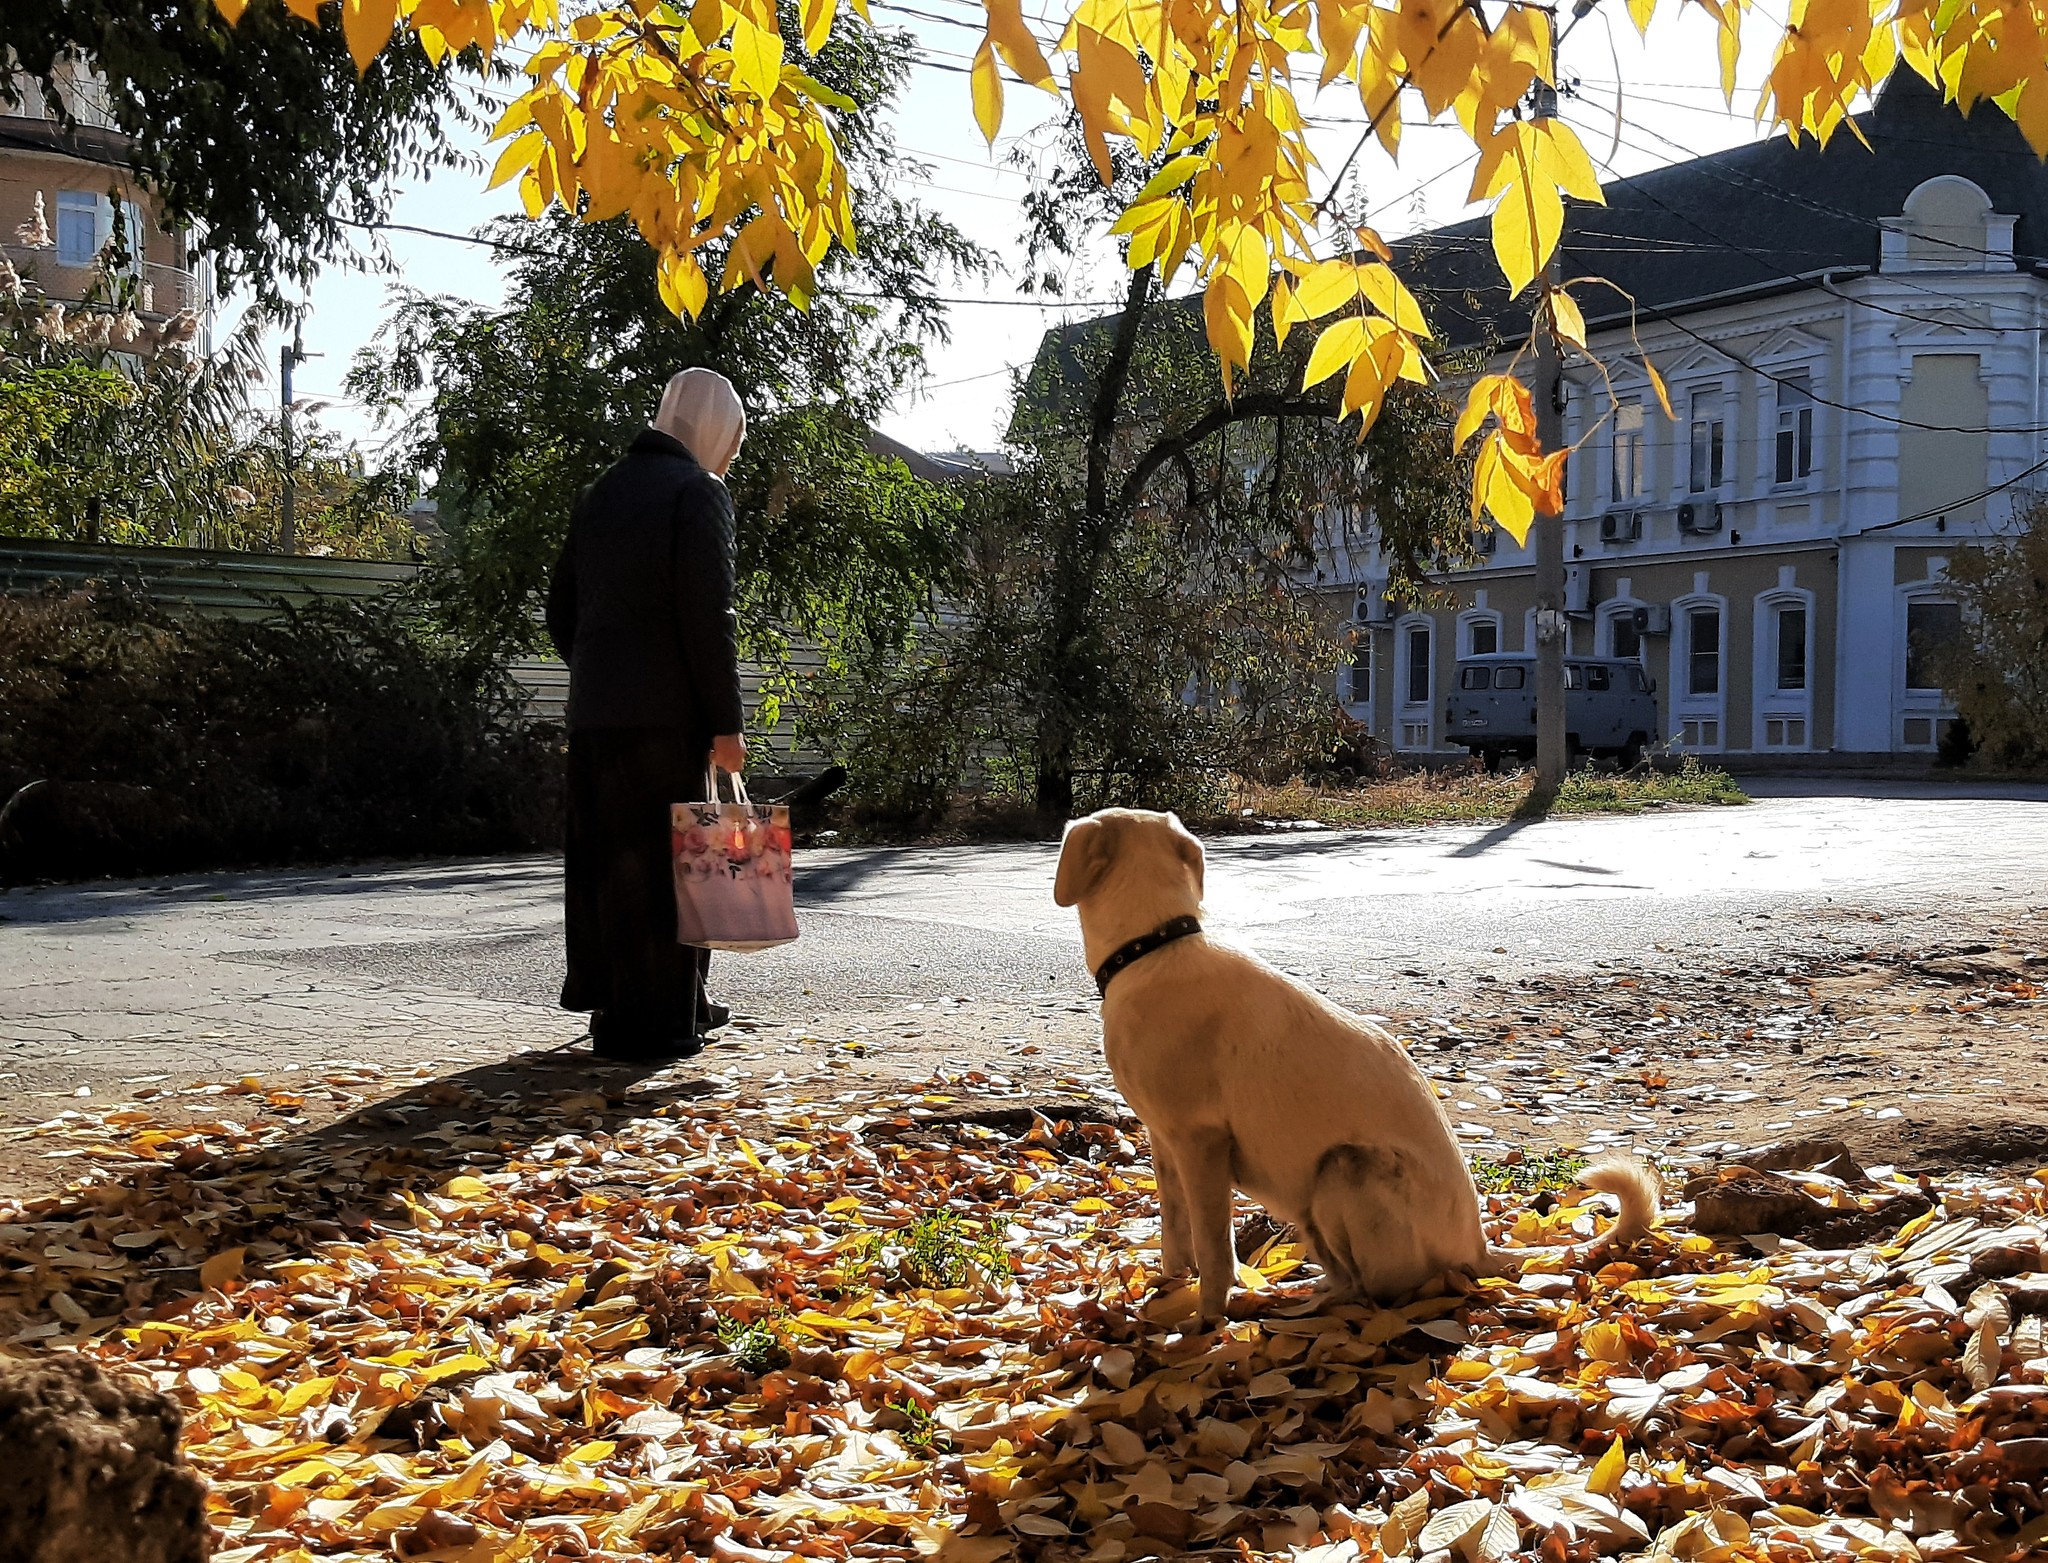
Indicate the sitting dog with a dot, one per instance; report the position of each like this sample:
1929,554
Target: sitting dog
1246,1079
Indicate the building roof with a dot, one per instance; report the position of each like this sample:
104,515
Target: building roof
939,466
1770,215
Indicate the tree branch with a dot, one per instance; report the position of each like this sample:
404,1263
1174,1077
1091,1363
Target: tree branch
1109,390
1270,404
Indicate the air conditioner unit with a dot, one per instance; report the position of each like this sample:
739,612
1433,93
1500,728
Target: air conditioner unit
1699,519
1372,606
1621,526
1651,618
1485,539
1578,589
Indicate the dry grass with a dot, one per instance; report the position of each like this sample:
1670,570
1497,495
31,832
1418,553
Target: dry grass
1439,797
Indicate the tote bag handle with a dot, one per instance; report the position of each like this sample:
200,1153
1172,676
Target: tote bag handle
739,786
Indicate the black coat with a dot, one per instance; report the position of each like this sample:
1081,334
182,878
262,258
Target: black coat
641,603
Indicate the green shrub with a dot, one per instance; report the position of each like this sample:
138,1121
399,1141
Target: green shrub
168,742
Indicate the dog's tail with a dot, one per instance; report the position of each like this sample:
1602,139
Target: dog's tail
1631,1180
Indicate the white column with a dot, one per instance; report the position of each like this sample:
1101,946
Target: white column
1864,653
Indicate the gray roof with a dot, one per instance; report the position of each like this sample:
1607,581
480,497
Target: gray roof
1768,216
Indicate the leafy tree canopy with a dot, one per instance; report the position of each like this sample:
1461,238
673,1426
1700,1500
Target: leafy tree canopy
526,404
701,121
264,133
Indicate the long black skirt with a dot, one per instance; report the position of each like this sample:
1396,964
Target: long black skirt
619,894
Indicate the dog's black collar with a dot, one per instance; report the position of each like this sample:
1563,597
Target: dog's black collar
1143,946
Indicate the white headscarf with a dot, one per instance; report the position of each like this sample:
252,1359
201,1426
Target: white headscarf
701,409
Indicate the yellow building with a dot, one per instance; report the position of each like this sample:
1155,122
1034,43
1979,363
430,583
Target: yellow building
1852,342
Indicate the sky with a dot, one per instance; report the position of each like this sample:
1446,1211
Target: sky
1669,108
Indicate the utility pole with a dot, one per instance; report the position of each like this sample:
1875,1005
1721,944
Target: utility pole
1552,627
288,358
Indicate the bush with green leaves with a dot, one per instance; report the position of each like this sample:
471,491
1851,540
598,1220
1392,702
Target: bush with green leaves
337,730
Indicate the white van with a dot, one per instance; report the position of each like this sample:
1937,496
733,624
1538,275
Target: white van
1610,707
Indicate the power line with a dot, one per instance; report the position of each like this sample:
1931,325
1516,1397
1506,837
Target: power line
1819,284
1714,169
2028,318
1805,387
542,252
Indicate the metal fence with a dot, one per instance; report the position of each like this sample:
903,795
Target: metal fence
252,585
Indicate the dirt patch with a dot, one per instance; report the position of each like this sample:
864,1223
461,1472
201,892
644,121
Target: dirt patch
93,1469
1916,1057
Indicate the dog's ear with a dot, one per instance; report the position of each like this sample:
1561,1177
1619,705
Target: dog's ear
1190,851
1084,859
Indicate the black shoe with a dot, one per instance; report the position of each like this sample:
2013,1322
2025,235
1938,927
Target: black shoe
668,1051
712,1016
633,1047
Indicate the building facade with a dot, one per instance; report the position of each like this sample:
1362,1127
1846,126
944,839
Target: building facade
63,189
1852,346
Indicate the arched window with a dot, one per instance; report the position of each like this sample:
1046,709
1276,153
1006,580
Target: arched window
1415,682
1479,633
1699,670
1782,663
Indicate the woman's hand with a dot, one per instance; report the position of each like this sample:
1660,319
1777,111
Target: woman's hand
729,752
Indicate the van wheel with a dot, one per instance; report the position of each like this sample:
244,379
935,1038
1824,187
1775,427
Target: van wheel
1632,751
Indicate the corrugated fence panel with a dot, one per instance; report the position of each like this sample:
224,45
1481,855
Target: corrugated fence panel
251,585
245,585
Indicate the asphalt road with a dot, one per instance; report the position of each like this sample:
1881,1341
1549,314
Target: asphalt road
460,961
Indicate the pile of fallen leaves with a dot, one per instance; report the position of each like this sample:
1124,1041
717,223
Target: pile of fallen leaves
841,1335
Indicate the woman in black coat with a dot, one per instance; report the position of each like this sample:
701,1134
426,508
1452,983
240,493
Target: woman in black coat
641,608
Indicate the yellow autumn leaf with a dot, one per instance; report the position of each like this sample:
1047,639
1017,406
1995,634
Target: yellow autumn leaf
231,9
756,57
367,24
1657,385
1568,319
1284,311
1389,295
988,91
1334,350
1527,221
1325,287
1561,159
1607,1474
818,16
1495,491
1016,43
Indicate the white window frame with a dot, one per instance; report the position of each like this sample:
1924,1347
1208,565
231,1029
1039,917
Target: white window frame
1359,628
1798,481
1472,617
1770,704
1792,359
1687,707
1642,451
1909,704
1603,627
1714,393
77,204
1409,713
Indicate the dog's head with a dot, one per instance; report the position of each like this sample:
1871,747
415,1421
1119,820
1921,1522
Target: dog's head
1150,856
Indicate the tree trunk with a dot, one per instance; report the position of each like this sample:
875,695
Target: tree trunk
1075,567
